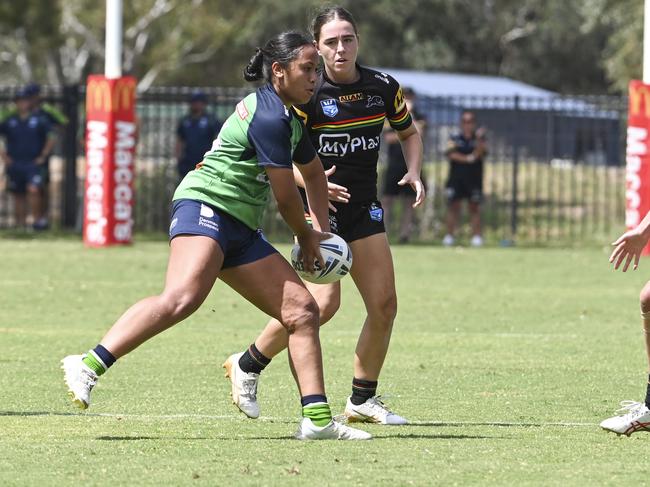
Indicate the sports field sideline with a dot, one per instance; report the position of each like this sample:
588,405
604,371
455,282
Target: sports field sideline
505,360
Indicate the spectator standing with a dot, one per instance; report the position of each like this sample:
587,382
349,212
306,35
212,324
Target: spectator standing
57,121
465,152
195,133
29,142
395,188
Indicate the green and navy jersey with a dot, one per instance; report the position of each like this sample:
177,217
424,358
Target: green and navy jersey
25,137
53,114
345,122
261,132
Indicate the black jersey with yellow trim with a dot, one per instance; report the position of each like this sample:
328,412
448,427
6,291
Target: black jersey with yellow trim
345,121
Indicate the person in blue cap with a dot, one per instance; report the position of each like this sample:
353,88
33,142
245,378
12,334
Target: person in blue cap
58,121
29,142
195,133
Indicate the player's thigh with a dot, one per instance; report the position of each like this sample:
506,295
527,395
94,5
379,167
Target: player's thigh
373,272
273,286
194,264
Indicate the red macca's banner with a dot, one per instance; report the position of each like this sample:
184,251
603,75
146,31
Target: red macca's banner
110,151
637,160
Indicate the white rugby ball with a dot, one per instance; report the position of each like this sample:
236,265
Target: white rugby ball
337,256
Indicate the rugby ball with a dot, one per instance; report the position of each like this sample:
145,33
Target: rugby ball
337,256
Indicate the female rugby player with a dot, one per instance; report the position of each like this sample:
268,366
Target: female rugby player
217,209
344,119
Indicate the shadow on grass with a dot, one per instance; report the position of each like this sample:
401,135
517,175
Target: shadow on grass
38,413
403,436
507,424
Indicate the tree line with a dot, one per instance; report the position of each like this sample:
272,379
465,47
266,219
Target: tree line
568,46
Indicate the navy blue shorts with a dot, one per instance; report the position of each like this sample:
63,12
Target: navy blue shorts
21,174
239,243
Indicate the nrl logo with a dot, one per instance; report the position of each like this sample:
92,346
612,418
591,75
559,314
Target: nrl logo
329,107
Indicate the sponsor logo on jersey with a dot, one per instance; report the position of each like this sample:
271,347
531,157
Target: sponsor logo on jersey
383,77
330,108
399,100
351,98
241,110
375,101
343,144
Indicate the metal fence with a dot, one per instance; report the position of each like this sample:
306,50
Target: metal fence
555,171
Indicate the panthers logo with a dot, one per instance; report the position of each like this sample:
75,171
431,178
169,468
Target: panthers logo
375,101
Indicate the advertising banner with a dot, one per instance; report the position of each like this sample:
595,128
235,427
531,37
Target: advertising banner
110,152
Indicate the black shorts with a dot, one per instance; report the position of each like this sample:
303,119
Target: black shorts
354,221
465,188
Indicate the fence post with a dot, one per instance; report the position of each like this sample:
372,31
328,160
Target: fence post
71,110
515,172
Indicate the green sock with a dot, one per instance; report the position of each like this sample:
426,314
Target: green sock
93,363
318,412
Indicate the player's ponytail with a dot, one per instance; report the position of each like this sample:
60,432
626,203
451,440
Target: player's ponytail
254,70
283,49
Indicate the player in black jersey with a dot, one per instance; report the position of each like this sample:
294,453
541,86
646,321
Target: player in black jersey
344,119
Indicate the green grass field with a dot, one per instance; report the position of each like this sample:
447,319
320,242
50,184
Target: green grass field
505,360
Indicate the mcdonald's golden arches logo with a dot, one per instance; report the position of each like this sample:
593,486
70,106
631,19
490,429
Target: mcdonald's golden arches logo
110,95
639,99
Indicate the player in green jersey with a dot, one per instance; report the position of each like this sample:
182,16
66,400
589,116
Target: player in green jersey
214,233
344,119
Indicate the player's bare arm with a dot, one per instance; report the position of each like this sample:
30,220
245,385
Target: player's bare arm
413,150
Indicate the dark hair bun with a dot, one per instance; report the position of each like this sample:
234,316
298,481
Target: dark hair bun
254,70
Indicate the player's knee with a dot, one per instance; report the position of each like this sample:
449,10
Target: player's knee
301,315
179,304
644,298
386,309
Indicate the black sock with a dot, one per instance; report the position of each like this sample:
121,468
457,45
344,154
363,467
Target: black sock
362,390
252,361
647,394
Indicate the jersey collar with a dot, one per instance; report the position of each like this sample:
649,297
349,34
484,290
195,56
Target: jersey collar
345,85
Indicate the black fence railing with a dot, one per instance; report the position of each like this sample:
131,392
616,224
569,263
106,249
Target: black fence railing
555,170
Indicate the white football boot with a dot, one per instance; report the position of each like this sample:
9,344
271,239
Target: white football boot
633,416
79,378
243,386
372,411
331,431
